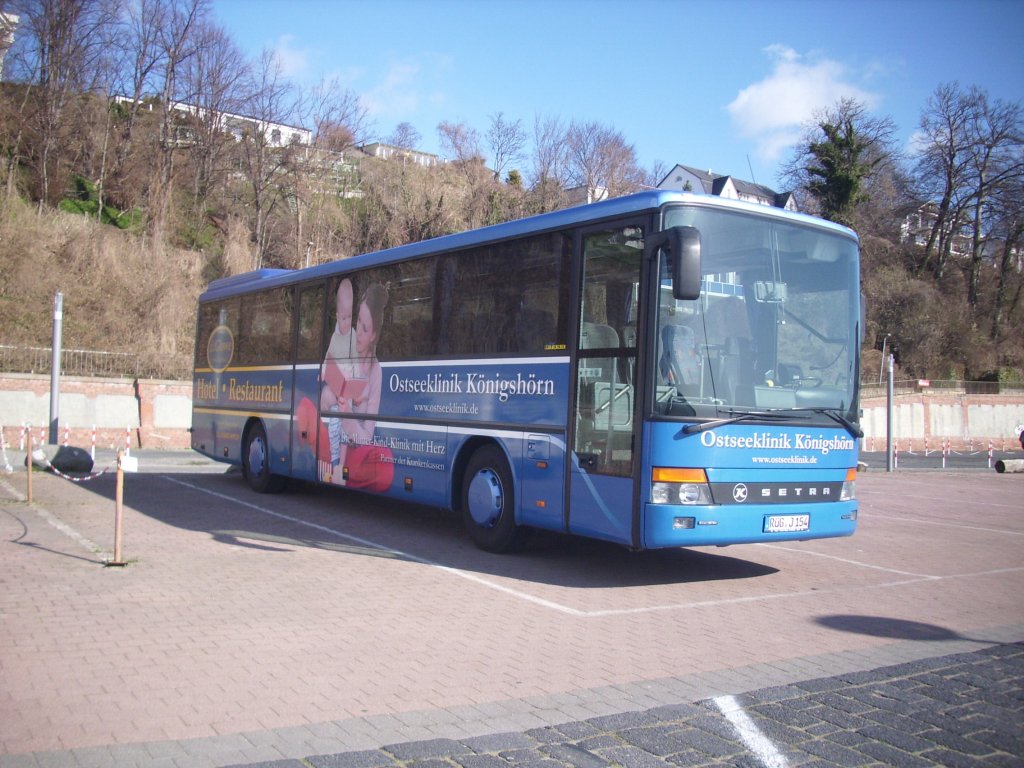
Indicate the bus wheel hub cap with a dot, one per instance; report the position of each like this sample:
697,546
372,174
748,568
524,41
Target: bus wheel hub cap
485,498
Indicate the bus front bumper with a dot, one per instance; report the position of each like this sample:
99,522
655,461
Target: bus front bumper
669,525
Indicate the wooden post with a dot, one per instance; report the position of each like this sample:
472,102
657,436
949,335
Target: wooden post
118,513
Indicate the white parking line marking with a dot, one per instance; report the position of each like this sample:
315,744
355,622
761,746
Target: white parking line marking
858,563
393,552
913,578
54,521
748,732
890,518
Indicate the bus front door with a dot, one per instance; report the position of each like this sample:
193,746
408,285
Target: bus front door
604,424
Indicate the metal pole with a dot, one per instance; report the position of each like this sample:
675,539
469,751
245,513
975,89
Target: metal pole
881,366
58,321
889,420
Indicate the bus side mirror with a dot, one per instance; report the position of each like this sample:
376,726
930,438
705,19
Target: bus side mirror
683,247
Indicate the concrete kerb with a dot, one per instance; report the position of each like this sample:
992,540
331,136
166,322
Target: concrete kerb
149,459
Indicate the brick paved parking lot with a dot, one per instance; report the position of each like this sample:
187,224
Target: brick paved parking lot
254,628
957,710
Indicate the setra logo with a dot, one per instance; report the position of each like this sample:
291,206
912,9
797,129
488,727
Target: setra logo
739,493
220,348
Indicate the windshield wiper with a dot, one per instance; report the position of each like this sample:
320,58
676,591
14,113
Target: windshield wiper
775,415
849,426
744,416
836,416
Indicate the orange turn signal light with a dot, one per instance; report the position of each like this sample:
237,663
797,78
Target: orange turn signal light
678,475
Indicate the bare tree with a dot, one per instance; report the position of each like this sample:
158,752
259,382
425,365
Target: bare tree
59,45
339,121
405,136
997,164
506,141
549,173
266,158
337,116
943,164
177,43
601,162
402,203
138,43
460,142
1008,213
214,78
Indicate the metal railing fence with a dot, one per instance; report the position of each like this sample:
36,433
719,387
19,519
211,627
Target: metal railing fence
73,362
128,365
870,389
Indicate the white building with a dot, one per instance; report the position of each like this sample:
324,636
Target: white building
687,179
917,228
389,152
8,23
275,134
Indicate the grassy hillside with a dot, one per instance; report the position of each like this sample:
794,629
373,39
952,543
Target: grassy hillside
122,292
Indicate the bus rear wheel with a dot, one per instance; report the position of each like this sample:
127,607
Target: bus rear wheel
488,502
256,462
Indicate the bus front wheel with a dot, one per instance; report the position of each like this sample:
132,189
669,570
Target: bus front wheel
488,502
256,462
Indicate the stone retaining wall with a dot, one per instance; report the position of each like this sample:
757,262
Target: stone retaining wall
145,413
922,420
157,414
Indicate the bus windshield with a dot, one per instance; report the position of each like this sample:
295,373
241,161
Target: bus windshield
775,328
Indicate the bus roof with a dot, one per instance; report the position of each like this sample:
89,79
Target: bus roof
555,220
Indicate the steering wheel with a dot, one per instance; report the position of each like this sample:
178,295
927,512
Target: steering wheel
808,382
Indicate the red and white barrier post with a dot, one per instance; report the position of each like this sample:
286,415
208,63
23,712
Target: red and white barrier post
28,464
3,452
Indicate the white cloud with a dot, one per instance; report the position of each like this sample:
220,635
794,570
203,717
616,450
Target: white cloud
294,61
410,87
397,92
771,112
917,142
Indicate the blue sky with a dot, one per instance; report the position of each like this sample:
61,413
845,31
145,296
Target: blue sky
719,85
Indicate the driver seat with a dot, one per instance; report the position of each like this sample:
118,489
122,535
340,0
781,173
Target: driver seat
737,370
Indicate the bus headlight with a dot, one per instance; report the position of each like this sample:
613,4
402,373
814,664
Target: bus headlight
661,493
674,485
849,492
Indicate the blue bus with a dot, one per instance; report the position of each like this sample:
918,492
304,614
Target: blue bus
658,370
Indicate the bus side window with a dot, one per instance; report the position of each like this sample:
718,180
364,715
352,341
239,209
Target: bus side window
409,315
534,328
212,316
265,328
310,322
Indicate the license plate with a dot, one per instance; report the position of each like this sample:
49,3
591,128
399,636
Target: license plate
786,523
